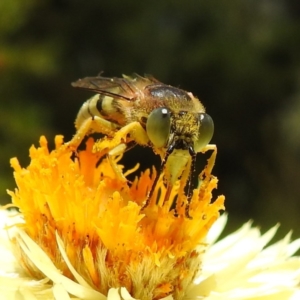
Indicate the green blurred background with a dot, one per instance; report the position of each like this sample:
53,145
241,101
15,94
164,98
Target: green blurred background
241,58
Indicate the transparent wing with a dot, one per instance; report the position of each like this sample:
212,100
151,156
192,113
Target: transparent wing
115,87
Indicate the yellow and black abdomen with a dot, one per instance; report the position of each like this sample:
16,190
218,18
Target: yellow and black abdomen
101,106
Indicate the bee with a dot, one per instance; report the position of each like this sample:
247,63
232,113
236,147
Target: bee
144,111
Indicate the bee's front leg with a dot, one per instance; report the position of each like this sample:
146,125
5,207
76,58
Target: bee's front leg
90,125
206,173
117,145
212,159
130,132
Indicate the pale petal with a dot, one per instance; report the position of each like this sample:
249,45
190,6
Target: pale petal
7,259
43,263
60,293
216,229
119,294
15,287
125,295
296,295
293,247
67,261
239,267
167,298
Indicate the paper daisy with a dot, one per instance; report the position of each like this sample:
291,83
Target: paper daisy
81,232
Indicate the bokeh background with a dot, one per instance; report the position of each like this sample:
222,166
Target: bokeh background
241,58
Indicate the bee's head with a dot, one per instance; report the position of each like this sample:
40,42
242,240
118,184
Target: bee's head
182,130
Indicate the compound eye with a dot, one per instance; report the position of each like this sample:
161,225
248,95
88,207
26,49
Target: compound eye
158,126
206,131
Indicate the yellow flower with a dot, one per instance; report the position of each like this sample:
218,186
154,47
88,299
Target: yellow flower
81,233
83,227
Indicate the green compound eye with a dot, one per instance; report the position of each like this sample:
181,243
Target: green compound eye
158,126
206,131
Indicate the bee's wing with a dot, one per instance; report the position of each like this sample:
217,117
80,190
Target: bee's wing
114,87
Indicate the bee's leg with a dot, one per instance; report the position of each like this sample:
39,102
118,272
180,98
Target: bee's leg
150,193
136,133
207,172
163,163
212,159
113,157
131,132
190,180
117,145
90,125
119,150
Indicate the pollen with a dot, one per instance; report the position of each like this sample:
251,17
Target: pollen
108,236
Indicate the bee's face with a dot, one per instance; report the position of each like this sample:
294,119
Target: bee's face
179,130
180,122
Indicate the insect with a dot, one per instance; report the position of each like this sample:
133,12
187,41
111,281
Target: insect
144,111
